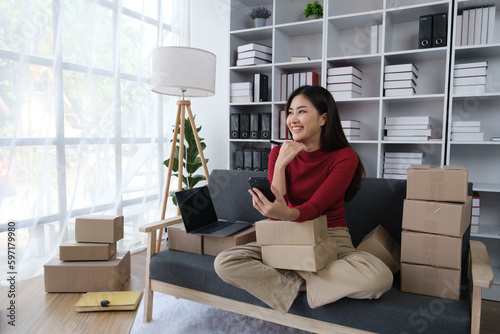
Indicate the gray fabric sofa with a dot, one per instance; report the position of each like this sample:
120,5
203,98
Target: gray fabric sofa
380,201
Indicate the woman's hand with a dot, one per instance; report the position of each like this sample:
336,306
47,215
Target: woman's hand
288,151
277,209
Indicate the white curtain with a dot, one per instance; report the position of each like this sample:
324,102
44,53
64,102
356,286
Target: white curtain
80,130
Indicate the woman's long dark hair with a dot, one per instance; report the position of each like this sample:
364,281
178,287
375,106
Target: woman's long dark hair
332,134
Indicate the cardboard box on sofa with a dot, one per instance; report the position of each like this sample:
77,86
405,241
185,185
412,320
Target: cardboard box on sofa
279,232
179,239
379,243
431,249
99,228
437,183
300,257
86,251
214,245
451,219
431,281
61,276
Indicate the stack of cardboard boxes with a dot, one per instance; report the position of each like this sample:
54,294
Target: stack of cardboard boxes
295,246
179,239
90,262
436,214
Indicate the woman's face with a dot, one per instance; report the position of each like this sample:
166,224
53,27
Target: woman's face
304,121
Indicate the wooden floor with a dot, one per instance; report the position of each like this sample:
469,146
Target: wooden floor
490,317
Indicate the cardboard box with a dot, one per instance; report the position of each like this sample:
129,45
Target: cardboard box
100,229
380,244
279,232
179,239
214,245
61,276
86,251
300,257
437,183
451,219
431,281
431,249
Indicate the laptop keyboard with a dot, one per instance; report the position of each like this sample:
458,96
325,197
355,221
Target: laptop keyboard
213,228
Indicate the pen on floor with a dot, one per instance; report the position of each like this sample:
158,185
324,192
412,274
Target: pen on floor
275,142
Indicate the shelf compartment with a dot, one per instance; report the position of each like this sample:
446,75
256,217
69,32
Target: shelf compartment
492,85
292,41
350,35
479,108
480,160
240,9
292,11
242,39
370,68
432,152
367,113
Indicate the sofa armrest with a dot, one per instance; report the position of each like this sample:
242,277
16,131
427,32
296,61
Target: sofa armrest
481,276
481,272
160,224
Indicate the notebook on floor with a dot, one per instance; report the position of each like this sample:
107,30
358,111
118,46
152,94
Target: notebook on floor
199,216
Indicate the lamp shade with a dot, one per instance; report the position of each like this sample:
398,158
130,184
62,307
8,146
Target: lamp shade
176,69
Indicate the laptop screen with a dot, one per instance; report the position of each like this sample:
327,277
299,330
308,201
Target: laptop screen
196,207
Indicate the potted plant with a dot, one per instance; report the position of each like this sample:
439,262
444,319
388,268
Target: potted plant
313,11
259,15
192,160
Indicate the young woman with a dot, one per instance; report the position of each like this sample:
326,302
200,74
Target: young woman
311,176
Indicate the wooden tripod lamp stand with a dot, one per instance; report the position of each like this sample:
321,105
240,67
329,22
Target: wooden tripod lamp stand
185,72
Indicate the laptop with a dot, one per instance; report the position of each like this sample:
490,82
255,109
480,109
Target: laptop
198,213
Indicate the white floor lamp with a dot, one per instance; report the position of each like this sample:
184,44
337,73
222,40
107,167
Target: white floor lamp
185,72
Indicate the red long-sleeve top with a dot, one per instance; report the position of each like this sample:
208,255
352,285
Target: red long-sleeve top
316,183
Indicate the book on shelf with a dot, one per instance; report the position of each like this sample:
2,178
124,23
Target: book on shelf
407,127
344,70
251,61
465,123
241,85
408,155
396,170
346,78
351,132
467,136
241,99
400,84
476,199
396,120
471,65
350,123
376,33
394,176
407,132
343,87
469,72
255,47
456,129
261,87
406,138
241,92
299,58
399,92
469,90
255,54
291,81
468,81
400,76
344,95
410,67
412,161
495,139
475,26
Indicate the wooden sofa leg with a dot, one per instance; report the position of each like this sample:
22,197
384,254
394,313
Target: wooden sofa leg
476,310
148,293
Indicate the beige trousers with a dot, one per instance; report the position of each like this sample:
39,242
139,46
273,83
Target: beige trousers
355,274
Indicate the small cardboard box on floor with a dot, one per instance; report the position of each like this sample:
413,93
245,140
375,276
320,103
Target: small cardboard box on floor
86,251
64,276
295,246
380,244
99,228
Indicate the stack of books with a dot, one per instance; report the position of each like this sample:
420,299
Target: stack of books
396,163
254,54
400,80
351,129
475,26
408,128
470,78
476,212
292,81
466,131
241,92
344,82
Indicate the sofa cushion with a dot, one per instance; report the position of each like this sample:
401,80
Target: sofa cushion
394,312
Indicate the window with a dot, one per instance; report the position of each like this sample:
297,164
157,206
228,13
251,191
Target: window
80,130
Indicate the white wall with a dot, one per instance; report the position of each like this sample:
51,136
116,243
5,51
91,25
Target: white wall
209,31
